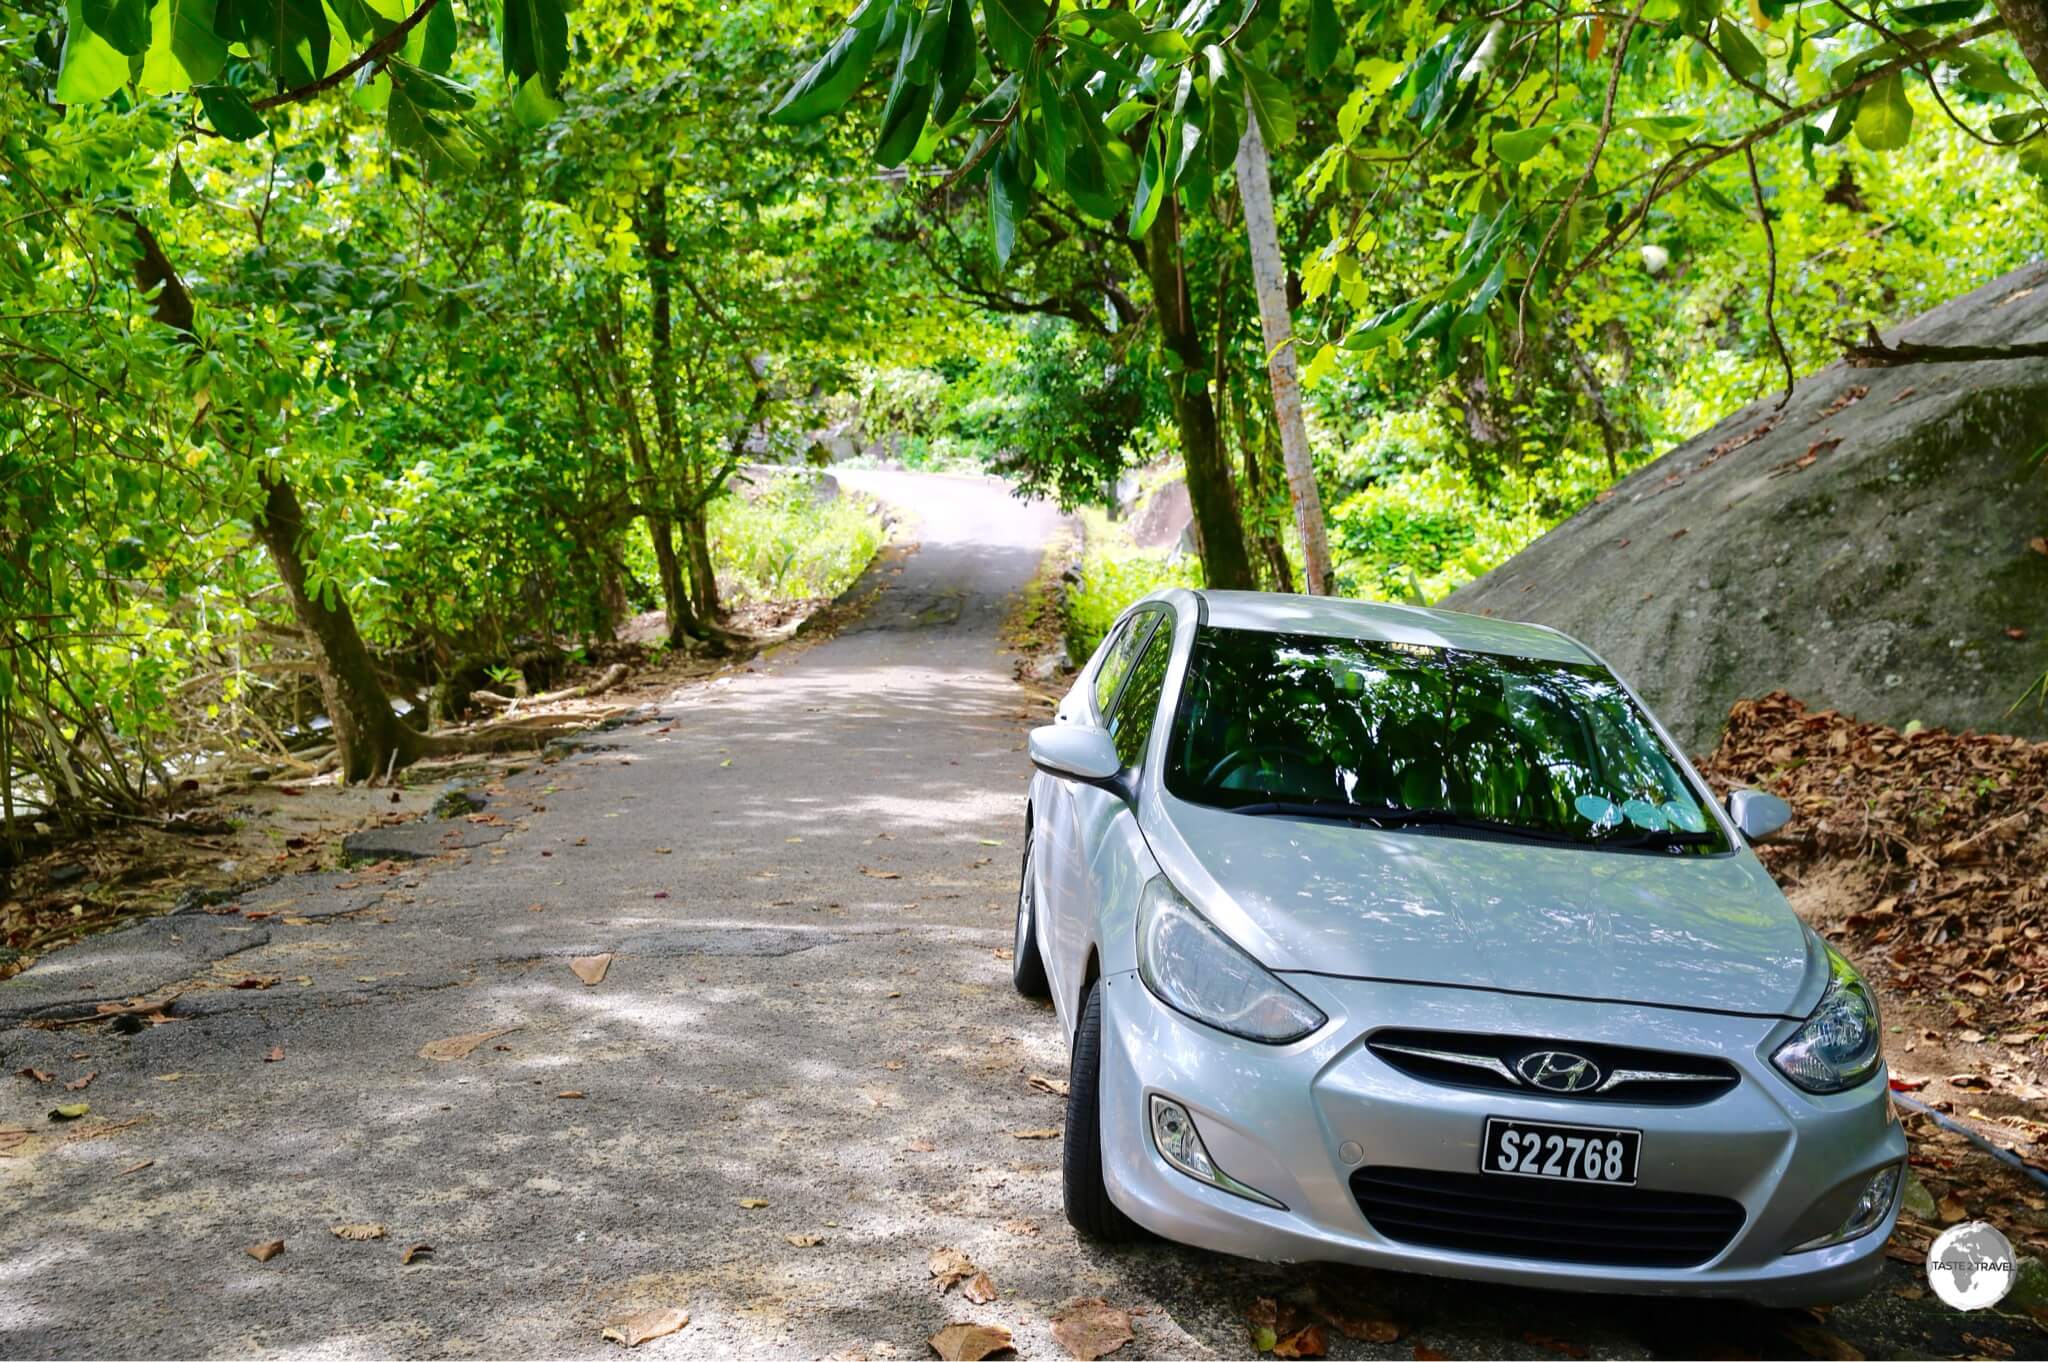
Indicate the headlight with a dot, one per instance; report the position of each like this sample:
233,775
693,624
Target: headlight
1197,970
1838,1047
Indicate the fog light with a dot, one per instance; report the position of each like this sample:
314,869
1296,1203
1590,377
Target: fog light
1180,1144
1872,1205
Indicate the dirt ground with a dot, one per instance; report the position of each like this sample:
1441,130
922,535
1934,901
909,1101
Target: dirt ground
706,1015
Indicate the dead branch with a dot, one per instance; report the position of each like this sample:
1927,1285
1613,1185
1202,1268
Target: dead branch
1873,353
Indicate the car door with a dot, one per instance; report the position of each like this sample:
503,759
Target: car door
1101,824
1056,864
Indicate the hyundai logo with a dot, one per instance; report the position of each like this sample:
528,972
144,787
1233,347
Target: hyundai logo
1558,1071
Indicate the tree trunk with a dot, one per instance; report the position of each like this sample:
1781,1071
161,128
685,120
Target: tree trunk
1276,323
1219,535
2027,21
697,546
368,737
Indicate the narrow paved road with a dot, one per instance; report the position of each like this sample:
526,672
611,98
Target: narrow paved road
804,876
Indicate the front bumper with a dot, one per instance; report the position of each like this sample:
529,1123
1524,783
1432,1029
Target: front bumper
1295,1121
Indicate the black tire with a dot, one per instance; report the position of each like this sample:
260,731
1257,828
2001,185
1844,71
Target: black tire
1089,1209
1027,966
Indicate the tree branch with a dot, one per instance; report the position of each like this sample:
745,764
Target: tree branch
375,52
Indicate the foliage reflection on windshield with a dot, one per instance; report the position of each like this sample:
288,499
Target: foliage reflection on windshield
1546,747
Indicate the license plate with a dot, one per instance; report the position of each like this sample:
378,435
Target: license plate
1561,1153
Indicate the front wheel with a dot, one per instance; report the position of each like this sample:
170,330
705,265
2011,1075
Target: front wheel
1027,966
1089,1209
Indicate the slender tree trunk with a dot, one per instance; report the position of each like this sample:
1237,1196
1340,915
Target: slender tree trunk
368,737
1219,535
1276,323
2027,21
697,547
682,623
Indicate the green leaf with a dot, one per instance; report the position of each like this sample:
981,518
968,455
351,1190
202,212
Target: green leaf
1839,120
1664,127
1118,24
1924,16
1738,51
229,111
536,40
831,80
1009,197
418,118
533,106
957,64
1152,187
997,103
182,192
927,41
1013,28
123,23
91,69
1272,105
1325,36
437,39
1885,122
1981,72
1381,328
1524,143
2013,127
904,113
183,48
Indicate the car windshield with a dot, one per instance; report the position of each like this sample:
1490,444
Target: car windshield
1406,735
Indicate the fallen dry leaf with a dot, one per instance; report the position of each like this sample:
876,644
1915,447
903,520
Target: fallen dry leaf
1821,1344
275,1055
637,1329
1047,1133
804,1240
82,1082
970,1342
416,1252
979,1290
1368,1326
1425,1353
752,1203
1951,1209
590,968
1304,1342
573,1094
1090,1328
921,1147
266,1250
879,874
135,1167
256,981
1023,1227
949,1265
358,1232
1056,1086
457,1047
35,1075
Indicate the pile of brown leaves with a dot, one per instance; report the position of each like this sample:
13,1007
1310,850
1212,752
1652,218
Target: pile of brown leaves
1948,831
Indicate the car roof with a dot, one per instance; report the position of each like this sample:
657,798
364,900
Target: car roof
1333,617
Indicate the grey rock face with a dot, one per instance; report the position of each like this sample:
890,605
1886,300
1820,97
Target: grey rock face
1866,548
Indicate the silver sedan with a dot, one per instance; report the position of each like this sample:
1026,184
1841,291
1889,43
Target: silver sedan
1408,938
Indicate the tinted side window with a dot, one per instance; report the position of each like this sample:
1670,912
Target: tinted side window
1117,657
1131,726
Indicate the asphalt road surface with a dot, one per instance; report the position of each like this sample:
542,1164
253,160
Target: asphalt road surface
803,1071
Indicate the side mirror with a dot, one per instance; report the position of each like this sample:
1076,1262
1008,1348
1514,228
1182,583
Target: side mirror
1757,814
1080,752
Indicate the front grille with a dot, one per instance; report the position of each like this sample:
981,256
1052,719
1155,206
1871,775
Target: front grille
1626,1073
1560,1222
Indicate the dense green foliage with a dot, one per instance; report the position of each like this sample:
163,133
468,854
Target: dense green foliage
354,347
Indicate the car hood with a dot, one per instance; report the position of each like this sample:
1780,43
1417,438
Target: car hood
1705,932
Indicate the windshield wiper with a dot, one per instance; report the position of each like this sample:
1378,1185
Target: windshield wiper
1660,839
1397,816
